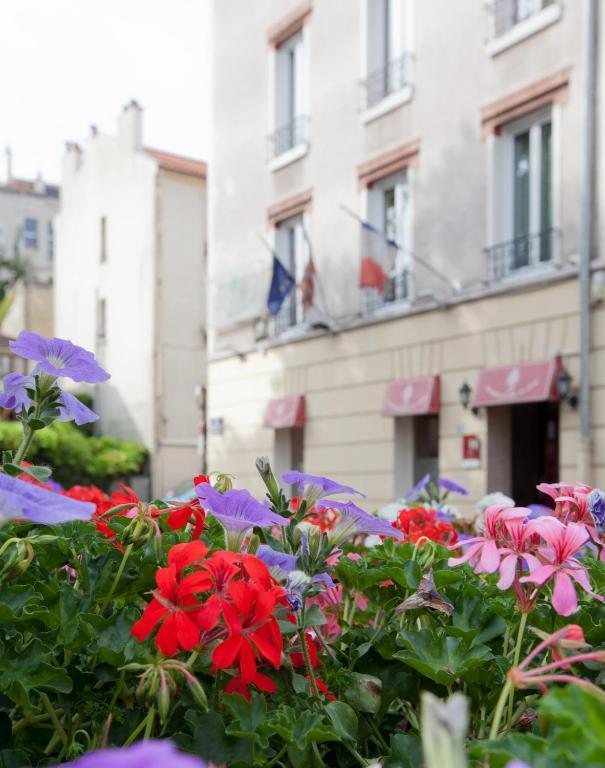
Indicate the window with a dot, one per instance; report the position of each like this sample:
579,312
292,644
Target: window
388,59
389,213
30,233
50,240
103,239
509,13
290,120
291,249
524,198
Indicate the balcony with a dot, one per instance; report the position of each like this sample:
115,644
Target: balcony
290,137
396,289
522,256
388,80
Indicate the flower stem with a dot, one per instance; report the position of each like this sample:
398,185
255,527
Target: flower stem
53,717
308,667
117,577
142,725
516,657
24,445
355,753
506,689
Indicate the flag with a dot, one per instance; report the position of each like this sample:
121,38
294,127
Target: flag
313,300
378,257
282,283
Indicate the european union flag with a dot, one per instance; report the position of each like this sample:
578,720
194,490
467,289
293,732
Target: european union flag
282,283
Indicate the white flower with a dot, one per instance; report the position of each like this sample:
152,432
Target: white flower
444,726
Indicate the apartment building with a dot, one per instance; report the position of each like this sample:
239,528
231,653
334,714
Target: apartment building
27,211
451,134
130,285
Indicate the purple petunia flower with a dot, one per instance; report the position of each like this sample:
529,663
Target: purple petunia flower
596,506
415,492
144,754
313,487
450,485
59,357
237,511
280,564
13,395
21,499
353,520
72,409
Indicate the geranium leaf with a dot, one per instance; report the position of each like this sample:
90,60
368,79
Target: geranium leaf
344,719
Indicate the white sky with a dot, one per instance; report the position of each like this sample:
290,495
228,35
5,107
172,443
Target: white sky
68,63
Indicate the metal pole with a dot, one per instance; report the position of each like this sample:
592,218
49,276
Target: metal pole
586,229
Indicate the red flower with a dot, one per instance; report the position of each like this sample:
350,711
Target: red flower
181,514
262,682
419,522
324,518
253,630
297,658
174,603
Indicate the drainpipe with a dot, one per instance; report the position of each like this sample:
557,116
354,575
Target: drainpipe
586,229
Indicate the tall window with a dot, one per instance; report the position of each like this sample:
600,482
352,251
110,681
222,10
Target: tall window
523,196
387,57
103,239
50,240
30,233
291,250
102,319
388,212
290,120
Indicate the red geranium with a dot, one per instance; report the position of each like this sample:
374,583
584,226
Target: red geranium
182,513
419,522
174,604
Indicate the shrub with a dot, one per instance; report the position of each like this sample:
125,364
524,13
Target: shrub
78,459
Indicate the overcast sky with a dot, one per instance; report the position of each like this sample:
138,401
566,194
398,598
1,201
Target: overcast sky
68,63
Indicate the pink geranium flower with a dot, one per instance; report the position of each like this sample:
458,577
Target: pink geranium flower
521,538
559,563
483,552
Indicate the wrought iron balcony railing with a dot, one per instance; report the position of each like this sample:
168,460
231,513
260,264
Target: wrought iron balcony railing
522,254
509,13
386,80
288,136
396,289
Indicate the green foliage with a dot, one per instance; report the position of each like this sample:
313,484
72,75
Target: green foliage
78,459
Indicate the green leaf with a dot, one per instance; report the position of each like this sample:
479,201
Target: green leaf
299,683
13,758
476,622
575,718
249,717
314,616
440,658
343,719
211,742
406,751
528,748
41,474
364,692
19,675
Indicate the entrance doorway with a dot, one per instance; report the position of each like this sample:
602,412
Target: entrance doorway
416,450
288,452
535,449
523,449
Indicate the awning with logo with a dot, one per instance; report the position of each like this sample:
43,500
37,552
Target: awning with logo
523,383
412,397
285,412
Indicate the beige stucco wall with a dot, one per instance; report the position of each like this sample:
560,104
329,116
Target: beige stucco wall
344,378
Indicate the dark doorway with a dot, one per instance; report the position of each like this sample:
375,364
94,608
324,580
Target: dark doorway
426,447
535,449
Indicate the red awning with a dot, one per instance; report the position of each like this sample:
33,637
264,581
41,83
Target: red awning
412,397
285,412
523,383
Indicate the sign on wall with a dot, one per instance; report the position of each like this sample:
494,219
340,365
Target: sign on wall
471,452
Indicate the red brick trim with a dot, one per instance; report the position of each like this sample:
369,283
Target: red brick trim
389,162
553,89
290,24
292,206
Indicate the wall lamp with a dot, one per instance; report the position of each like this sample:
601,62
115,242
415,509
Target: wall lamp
464,393
564,388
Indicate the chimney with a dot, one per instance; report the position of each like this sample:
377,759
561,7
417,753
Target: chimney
6,172
39,185
130,126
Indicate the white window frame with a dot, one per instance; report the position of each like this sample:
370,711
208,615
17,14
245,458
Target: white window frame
400,41
375,214
35,243
296,223
500,214
541,18
299,39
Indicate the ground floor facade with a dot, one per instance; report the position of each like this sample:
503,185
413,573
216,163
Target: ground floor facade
379,405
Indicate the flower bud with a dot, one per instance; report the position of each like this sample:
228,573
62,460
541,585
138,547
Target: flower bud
163,700
17,559
263,466
197,692
221,481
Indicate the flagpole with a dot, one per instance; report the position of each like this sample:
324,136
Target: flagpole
455,288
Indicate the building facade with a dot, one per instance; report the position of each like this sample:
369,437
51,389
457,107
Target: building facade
426,160
130,284
27,211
